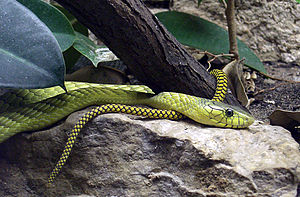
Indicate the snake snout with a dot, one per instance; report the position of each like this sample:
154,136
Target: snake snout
237,118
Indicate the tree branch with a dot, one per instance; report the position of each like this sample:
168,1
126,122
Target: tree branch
152,54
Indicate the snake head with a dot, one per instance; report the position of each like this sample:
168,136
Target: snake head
223,115
202,110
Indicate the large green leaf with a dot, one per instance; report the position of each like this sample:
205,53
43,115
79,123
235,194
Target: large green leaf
30,56
202,34
55,20
88,48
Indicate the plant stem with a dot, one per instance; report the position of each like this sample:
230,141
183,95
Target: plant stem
230,16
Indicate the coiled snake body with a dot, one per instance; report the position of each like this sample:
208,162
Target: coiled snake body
29,110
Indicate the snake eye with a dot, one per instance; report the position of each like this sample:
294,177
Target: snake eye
229,112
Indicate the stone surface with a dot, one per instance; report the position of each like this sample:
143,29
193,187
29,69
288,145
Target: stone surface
270,28
123,155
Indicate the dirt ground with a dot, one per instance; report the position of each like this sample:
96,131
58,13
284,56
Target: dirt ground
275,94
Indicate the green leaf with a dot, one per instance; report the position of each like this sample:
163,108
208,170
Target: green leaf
71,55
77,26
298,1
55,20
30,56
88,48
199,33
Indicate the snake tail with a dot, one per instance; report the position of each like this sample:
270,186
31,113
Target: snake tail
108,108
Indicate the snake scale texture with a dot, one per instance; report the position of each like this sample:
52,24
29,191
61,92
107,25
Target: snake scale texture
34,109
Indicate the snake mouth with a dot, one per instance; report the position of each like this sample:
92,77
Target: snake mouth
237,122
247,121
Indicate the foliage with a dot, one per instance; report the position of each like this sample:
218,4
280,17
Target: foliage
31,57
55,21
88,48
29,53
72,55
201,34
32,42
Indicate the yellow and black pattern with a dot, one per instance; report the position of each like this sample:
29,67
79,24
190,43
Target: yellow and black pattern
109,108
219,96
222,82
34,109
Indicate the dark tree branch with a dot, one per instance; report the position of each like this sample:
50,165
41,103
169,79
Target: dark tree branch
152,54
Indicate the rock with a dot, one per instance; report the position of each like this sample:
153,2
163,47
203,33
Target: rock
269,28
123,155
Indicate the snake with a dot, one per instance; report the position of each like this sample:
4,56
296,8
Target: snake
34,109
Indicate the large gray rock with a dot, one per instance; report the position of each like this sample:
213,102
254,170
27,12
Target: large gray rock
123,155
270,28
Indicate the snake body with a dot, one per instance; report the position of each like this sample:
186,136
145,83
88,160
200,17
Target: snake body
29,110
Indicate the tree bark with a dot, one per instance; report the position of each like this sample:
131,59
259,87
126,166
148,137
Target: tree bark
151,53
